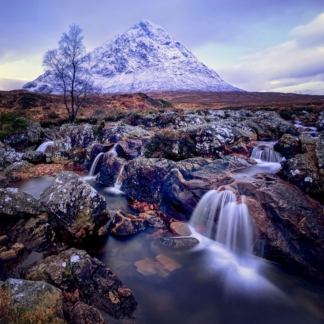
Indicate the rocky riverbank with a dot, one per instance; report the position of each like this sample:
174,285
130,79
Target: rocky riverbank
164,163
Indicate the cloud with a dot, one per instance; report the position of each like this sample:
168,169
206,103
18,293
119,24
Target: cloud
11,84
296,61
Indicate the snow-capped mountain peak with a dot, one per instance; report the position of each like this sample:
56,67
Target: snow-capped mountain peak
144,59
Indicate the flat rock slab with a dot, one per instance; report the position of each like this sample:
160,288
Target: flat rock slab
178,243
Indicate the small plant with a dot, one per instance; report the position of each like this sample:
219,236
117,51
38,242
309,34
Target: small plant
12,123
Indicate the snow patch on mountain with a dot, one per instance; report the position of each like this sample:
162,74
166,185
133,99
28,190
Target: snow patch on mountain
309,88
143,59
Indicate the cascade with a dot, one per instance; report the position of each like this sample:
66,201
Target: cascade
265,153
112,152
94,164
118,182
44,146
221,218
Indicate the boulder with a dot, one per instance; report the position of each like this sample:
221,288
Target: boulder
180,228
77,208
88,280
33,157
35,295
15,204
116,133
11,254
109,171
130,149
31,136
287,146
289,222
82,313
178,243
123,224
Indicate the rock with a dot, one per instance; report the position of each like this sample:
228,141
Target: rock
31,136
109,170
155,219
35,295
308,145
290,223
123,224
33,157
36,234
3,240
178,243
162,267
8,155
15,204
77,208
180,228
129,149
116,133
82,313
12,254
97,286
287,146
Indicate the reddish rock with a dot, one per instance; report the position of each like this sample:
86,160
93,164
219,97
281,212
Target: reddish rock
180,228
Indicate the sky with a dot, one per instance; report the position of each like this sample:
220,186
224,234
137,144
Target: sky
252,44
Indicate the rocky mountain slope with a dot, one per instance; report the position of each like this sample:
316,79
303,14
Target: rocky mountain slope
143,59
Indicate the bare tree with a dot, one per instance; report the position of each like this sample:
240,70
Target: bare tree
70,75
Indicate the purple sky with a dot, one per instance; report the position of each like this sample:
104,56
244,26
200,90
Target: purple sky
253,44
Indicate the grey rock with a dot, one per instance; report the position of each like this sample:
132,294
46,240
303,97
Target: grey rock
34,157
78,209
178,243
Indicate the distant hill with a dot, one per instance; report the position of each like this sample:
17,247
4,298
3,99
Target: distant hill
144,59
309,88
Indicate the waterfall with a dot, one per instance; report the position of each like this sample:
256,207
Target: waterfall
265,153
94,164
221,218
44,146
118,182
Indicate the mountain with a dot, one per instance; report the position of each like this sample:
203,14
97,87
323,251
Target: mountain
309,88
144,59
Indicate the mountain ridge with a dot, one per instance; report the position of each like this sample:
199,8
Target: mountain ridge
144,59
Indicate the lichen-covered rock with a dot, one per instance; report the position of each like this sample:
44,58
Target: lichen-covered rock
89,280
34,157
287,146
17,204
82,313
129,149
12,253
116,133
78,209
109,170
35,295
123,224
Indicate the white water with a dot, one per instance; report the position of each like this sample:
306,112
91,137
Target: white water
44,146
94,164
221,218
264,152
112,152
308,130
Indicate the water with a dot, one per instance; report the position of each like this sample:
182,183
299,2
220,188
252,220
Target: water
94,164
264,152
210,284
44,146
308,130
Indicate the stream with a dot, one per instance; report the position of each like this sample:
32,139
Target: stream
207,284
